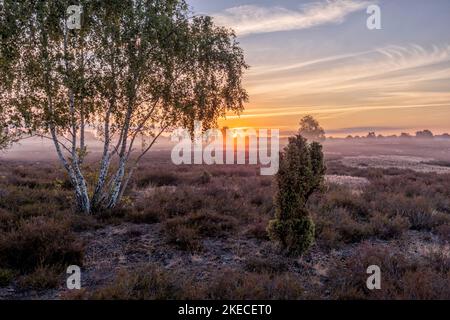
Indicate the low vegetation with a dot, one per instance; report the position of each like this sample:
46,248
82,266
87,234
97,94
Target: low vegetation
181,231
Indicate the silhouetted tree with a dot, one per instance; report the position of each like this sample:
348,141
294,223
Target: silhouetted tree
405,135
427,134
301,173
311,130
371,135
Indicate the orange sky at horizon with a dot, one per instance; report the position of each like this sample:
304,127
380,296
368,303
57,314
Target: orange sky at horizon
385,90
318,57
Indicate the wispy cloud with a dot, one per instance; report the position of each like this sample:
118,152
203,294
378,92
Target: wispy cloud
388,78
251,19
391,67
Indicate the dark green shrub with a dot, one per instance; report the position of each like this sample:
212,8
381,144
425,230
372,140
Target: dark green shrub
301,173
296,235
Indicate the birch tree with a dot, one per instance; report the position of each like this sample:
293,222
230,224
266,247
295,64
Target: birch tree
134,68
8,52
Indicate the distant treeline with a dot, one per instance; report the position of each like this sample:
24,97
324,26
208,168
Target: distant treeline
424,134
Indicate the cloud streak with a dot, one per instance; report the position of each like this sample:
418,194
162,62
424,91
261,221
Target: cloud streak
387,78
253,19
384,68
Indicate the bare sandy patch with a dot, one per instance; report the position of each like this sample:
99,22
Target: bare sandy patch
152,190
418,164
348,181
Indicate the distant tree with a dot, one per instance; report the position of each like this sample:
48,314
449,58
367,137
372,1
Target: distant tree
301,173
135,68
380,136
371,135
311,130
405,135
349,137
427,134
446,136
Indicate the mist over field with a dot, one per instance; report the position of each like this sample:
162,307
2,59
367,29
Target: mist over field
185,150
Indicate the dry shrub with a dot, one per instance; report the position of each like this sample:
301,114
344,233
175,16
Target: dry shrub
417,210
32,202
336,227
7,220
402,276
133,232
204,178
238,285
235,171
41,279
186,231
184,238
114,215
394,202
39,242
171,204
270,265
153,283
147,215
422,198
158,179
443,232
258,230
81,223
351,230
341,197
207,224
6,276
144,283
37,209
385,227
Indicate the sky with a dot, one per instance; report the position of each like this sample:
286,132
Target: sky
319,57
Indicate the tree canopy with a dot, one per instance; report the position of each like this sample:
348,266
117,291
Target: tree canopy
311,130
134,68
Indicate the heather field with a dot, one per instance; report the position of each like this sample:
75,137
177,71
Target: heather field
200,232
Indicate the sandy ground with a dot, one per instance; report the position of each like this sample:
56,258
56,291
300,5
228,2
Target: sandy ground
127,246
349,181
417,164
